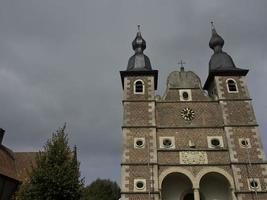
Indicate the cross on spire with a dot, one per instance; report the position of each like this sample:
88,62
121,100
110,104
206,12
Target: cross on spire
182,64
212,25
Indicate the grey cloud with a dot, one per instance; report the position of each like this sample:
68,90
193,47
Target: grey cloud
60,62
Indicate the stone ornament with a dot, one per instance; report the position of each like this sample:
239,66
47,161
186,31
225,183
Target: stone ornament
193,157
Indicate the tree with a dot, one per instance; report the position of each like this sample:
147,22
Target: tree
102,190
56,175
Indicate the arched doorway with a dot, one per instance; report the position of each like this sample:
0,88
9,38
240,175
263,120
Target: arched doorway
177,186
215,186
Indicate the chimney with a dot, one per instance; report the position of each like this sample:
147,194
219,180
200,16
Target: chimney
2,132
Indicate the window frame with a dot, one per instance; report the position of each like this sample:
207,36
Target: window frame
136,181
217,137
143,86
244,146
139,146
235,83
189,93
257,180
161,142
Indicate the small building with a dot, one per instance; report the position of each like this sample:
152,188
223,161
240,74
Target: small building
194,142
14,168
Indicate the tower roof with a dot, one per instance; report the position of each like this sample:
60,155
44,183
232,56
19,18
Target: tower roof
139,61
221,64
220,60
216,39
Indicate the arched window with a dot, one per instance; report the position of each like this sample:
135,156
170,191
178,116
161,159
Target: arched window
139,87
231,85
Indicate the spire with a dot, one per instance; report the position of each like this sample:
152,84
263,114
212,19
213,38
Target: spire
139,44
216,41
220,62
139,61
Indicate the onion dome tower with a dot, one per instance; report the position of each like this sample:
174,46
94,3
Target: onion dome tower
221,64
139,64
139,61
139,82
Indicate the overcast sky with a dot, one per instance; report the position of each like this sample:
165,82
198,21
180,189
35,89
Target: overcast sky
60,62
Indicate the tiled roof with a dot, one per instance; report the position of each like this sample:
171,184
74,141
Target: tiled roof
7,163
16,165
24,163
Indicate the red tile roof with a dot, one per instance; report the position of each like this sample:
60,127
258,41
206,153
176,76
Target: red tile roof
24,163
7,163
16,165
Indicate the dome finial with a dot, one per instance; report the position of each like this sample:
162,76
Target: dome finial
139,44
216,41
212,25
182,65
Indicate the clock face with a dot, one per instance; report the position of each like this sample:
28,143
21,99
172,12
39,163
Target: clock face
188,114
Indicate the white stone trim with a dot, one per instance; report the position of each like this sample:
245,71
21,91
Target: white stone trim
256,180
218,84
156,178
125,178
243,83
243,146
151,112
189,95
260,149
208,170
179,170
134,87
264,173
162,146
150,87
237,177
231,144
136,189
153,145
227,86
141,146
127,86
125,151
210,145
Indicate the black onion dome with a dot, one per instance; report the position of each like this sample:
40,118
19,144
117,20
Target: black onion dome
215,40
139,61
139,42
220,60
221,63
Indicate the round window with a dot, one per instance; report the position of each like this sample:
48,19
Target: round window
140,185
244,142
215,142
254,184
167,142
139,143
185,95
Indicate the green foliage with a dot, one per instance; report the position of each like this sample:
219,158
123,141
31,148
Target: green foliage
102,190
56,175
